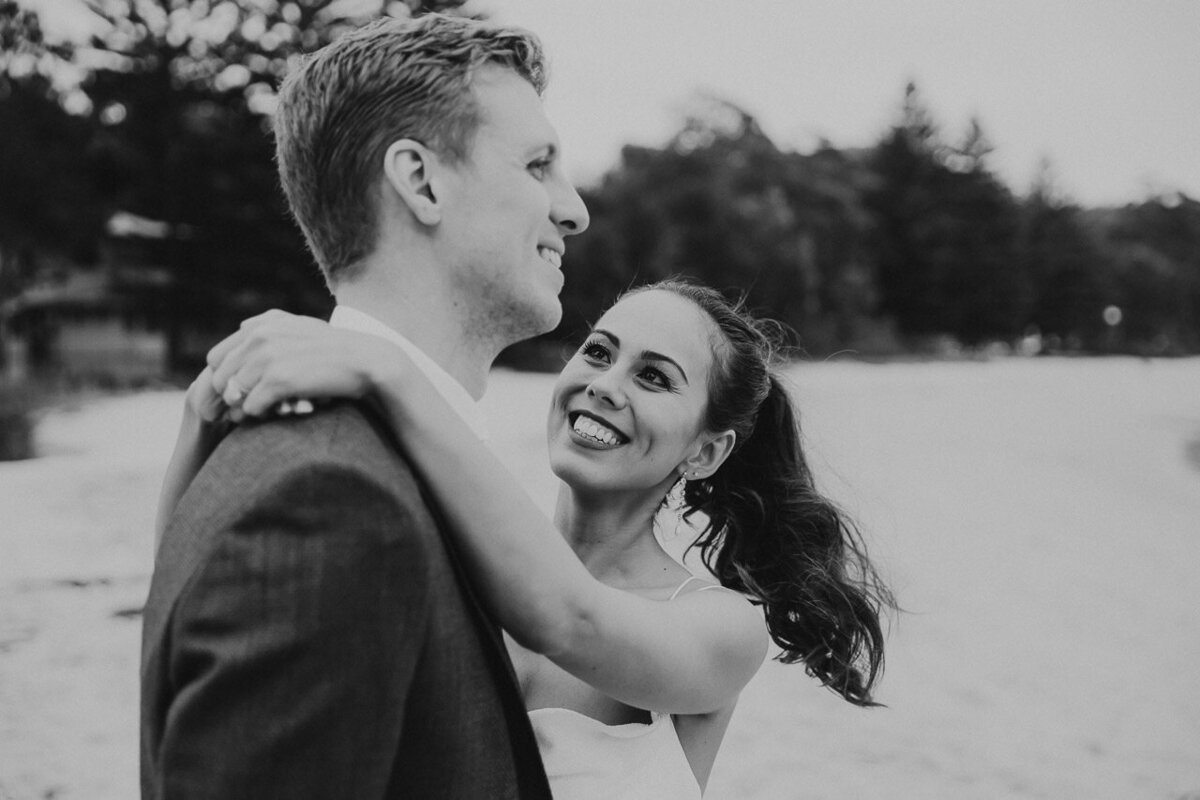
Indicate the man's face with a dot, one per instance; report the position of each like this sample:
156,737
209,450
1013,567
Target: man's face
508,211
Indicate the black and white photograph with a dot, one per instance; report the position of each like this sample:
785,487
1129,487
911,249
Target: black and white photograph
554,400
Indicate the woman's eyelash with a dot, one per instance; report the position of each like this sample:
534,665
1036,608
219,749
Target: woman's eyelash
659,377
598,350
594,347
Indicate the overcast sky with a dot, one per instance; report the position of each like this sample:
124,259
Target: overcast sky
1108,90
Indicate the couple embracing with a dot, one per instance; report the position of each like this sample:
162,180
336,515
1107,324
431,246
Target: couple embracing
358,601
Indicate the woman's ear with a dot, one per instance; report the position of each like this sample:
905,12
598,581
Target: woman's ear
714,449
409,167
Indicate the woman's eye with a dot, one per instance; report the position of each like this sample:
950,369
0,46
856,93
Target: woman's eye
595,351
539,169
656,378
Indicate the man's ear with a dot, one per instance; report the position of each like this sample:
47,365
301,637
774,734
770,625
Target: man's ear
410,168
714,449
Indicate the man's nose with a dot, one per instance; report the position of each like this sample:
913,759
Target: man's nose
568,210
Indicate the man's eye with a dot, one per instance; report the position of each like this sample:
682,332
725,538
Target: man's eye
539,169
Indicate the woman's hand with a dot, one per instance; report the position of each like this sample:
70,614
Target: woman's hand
263,368
204,401
277,357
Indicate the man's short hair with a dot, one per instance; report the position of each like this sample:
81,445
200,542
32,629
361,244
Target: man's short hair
347,103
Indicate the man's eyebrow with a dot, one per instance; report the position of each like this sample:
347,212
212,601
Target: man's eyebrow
648,355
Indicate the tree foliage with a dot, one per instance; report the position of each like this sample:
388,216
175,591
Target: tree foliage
720,202
181,107
1154,252
879,249
947,260
49,209
915,236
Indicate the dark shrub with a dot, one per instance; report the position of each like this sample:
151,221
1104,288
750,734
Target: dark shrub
19,402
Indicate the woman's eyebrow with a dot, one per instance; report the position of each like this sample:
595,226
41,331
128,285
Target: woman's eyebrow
648,355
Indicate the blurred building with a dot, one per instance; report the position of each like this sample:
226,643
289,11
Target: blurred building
102,322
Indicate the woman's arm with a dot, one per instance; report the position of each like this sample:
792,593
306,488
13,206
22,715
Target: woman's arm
202,429
692,655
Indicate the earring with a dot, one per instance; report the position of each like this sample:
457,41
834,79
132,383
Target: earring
675,495
672,504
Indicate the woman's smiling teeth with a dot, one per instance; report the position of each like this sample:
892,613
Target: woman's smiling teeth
553,256
591,429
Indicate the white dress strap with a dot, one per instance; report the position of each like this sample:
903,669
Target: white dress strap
681,586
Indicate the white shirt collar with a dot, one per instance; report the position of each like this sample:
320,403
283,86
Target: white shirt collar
451,390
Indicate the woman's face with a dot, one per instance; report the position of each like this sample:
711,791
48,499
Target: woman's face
628,408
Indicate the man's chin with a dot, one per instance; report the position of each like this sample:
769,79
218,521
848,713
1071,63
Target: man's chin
528,327
544,316
553,319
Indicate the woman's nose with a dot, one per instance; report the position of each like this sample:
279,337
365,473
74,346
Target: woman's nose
606,388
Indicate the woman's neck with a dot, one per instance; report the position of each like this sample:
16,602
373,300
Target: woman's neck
612,534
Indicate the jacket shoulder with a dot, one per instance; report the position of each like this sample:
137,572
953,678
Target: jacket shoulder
343,443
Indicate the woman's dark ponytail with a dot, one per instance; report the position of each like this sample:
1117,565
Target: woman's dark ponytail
772,536
767,532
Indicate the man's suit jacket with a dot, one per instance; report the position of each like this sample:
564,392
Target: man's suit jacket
309,634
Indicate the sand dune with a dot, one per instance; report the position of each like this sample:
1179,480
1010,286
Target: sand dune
1040,521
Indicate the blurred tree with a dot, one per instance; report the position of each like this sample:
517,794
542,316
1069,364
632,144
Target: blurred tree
182,95
919,129
168,117
828,190
990,293
969,155
48,206
908,163
947,228
1155,250
1069,273
723,204
179,95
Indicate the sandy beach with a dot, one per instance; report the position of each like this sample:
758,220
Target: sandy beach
1039,520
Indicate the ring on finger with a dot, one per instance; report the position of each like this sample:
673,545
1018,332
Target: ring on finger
234,393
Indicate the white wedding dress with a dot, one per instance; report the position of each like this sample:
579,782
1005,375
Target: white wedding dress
586,759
